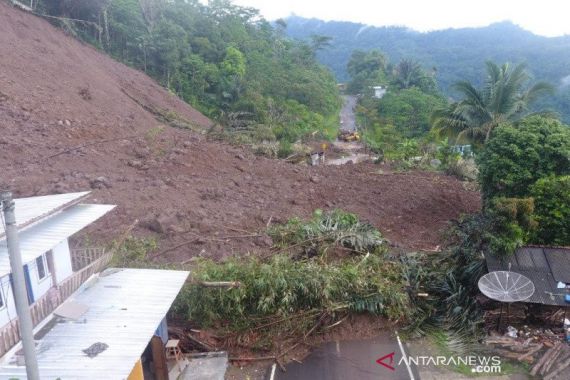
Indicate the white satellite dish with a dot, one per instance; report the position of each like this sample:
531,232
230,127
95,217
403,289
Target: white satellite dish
506,286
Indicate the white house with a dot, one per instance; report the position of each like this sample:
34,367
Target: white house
45,224
379,91
88,324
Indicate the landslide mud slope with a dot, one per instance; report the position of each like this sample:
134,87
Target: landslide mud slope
72,119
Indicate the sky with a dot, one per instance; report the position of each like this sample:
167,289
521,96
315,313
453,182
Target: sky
543,17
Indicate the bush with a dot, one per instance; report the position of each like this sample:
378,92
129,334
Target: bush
287,293
328,229
517,156
511,223
552,209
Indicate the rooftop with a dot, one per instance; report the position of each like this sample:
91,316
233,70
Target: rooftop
32,209
124,309
43,236
544,266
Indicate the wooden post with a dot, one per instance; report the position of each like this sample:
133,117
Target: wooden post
159,358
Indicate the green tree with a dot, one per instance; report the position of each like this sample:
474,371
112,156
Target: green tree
552,210
505,98
366,69
409,110
409,73
515,157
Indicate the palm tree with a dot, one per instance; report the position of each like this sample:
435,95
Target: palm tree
407,73
505,98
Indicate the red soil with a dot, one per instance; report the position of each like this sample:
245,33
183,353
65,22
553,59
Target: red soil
57,93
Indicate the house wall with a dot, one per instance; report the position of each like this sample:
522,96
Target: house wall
62,261
8,311
39,287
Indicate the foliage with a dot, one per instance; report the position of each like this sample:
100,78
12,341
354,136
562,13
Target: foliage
455,53
366,69
505,98
517,156
510,223
552,210
409,110
221,58
132,252
328,229
283,294
409,74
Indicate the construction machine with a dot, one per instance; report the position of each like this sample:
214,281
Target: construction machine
349,136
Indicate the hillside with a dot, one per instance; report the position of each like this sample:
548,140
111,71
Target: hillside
73,119
456,54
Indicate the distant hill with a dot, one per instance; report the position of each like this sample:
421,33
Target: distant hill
456,54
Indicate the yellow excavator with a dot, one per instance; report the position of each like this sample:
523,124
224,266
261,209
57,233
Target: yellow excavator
349,136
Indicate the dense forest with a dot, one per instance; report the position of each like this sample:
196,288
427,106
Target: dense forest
223,59
453,54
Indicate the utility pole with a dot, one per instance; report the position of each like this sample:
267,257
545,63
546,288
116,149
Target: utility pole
19,285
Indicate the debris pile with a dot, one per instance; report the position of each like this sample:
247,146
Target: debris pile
543,349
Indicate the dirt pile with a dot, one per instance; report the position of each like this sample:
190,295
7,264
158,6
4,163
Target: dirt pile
74,119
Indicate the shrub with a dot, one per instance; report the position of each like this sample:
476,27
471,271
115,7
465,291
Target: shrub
287,293
510,224
552,209
517,156
328,229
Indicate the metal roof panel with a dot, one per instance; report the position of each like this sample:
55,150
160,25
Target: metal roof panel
125,308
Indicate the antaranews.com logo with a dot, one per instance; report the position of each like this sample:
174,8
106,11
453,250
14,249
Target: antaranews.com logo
478,363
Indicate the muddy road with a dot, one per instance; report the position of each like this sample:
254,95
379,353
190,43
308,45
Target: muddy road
347,116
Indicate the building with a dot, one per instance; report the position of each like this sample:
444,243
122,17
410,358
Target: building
379,91
45,224
88,323
547,267
107,330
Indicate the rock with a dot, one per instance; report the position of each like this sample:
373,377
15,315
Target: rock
67,122
264,241
435,163
314,179
100,183
141,152
162,223
136,164
240,156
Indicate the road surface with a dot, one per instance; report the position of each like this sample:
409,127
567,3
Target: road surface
356,360
347,117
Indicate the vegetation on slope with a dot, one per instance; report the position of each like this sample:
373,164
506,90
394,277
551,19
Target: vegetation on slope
456,54
291,294
223,59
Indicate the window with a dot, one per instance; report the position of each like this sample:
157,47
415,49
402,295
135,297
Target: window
41,265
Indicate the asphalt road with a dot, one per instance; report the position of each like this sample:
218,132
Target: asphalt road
356,360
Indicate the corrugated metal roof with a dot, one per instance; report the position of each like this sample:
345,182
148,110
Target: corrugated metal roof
559,261
41,237
542,266
32,209
125,308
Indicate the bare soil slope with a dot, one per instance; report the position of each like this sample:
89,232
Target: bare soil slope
73,119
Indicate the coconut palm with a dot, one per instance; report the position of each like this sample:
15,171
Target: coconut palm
505,98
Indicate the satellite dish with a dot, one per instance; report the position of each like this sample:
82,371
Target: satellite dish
506,286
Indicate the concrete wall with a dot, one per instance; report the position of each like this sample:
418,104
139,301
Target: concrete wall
8,311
